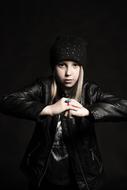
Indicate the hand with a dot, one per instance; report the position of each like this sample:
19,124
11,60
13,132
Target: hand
72,108
56,108
77,109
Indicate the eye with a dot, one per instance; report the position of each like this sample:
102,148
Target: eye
61,65
75,65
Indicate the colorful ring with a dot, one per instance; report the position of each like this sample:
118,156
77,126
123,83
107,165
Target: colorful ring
67,100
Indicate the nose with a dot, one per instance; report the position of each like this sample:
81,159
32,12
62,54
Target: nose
68,71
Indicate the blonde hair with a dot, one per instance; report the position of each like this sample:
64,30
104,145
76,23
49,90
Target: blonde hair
76,93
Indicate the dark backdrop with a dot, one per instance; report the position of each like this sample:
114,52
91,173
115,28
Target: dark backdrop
27,32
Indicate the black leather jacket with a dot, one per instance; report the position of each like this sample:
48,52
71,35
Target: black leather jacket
79,134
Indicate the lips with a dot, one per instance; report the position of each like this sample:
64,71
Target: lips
68,80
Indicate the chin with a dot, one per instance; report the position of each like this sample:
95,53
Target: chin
68,86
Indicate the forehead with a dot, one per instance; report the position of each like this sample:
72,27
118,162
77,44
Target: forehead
68,62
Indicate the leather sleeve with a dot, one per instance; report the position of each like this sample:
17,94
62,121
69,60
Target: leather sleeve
26,103
106,107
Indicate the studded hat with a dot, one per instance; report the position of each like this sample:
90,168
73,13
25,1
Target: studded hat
68,47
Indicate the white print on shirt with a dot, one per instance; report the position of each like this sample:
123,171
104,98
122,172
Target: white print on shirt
59,151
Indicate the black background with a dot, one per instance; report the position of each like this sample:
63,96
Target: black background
27,31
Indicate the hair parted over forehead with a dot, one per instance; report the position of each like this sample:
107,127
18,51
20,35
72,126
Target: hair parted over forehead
68,47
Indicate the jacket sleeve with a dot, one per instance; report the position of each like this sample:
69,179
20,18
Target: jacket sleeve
26,103
106,107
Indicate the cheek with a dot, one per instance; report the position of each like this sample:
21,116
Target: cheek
59,74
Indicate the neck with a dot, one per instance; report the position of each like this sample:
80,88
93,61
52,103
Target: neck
68,92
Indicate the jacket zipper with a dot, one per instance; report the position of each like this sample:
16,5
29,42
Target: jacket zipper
80,165
83,173
94,156
34,149
41,177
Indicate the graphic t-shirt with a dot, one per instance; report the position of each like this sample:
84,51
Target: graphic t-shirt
58,171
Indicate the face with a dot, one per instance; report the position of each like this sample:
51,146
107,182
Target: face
67,73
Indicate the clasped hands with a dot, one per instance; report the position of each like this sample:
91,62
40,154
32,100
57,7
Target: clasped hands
67,105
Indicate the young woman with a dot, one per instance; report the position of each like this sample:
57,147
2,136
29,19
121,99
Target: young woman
63,152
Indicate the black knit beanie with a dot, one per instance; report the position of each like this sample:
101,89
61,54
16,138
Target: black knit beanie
68,47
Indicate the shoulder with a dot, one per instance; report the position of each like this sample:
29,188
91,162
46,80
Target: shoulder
91,90
91,86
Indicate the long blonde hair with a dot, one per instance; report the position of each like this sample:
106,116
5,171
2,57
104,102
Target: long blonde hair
78,91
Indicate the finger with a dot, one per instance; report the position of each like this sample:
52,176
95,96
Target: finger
74,108
63,99
74,113
66,101
70,107
66,113
76,104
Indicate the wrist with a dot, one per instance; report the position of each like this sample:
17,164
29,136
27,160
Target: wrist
88,112
47,111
